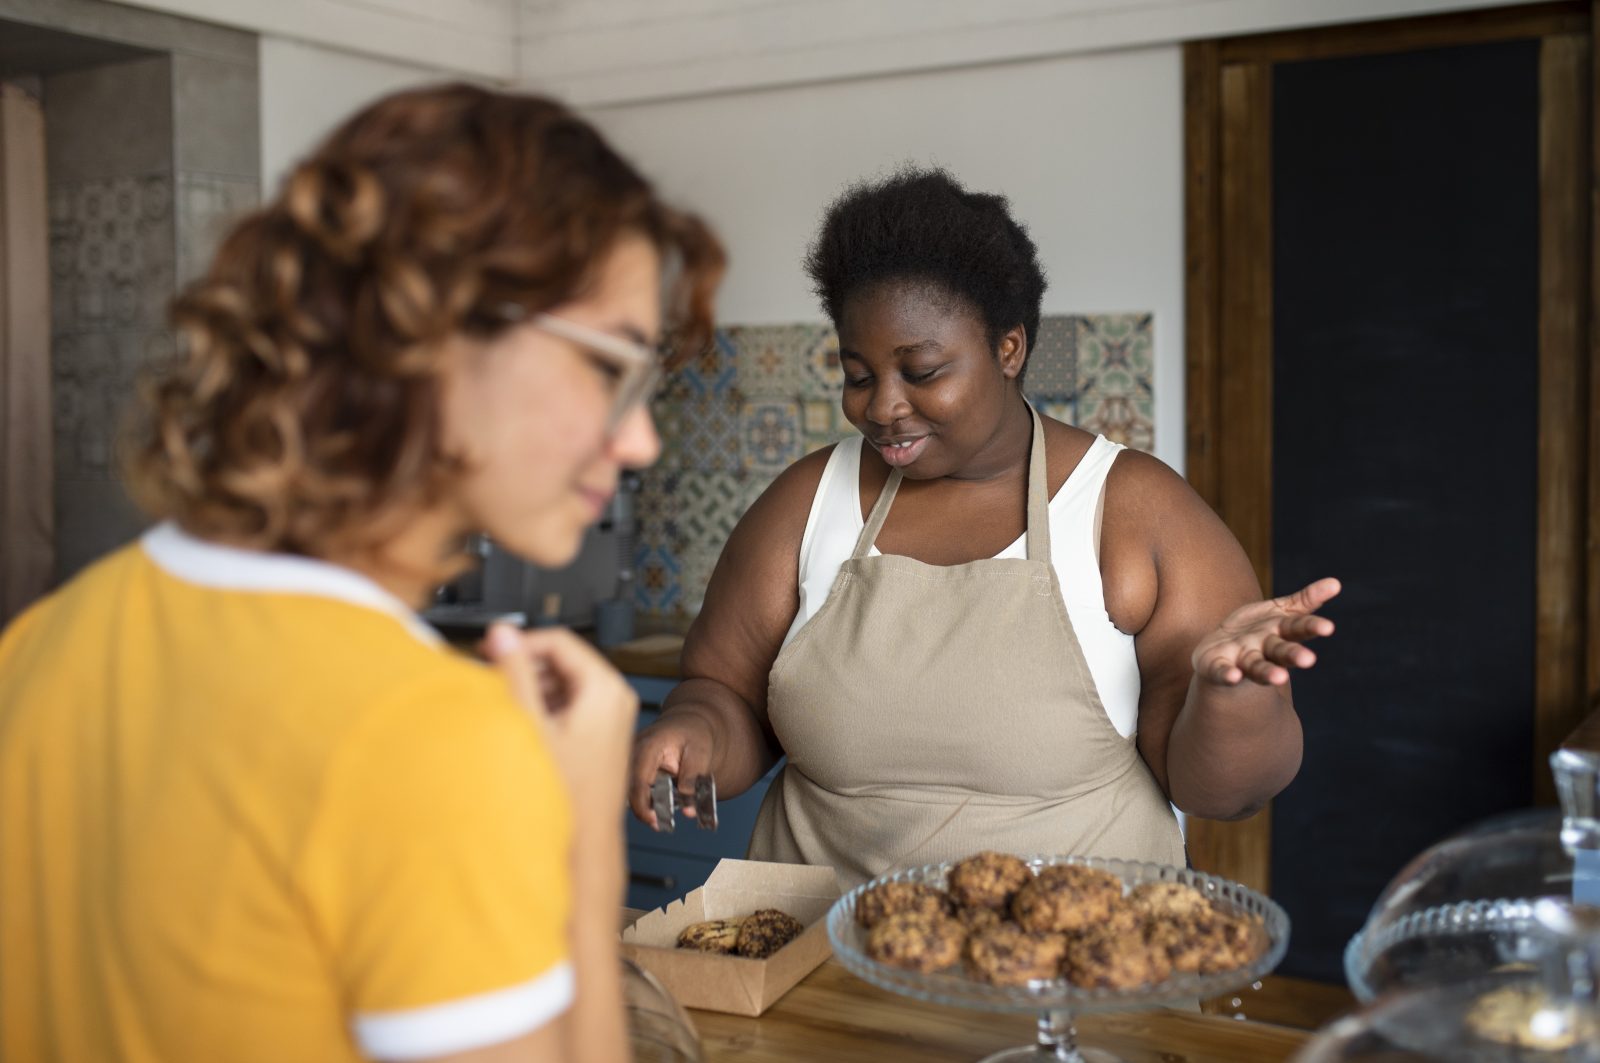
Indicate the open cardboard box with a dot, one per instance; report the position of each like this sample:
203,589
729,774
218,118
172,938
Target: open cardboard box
736,984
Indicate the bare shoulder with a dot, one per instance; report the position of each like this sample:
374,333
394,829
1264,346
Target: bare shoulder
1064,446
1142,484
786,502
754,591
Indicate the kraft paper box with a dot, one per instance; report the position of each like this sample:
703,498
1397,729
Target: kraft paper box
736,984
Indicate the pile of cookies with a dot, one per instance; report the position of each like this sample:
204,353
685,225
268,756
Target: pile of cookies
757,935
1012,927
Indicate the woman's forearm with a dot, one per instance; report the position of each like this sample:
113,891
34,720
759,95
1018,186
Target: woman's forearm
1232,748
742,752
597,1026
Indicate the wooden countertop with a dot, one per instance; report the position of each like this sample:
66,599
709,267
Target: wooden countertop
652,655
833,1015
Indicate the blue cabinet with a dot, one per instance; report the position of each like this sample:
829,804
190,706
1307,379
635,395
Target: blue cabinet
665,867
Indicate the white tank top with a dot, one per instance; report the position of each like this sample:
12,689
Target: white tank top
835,522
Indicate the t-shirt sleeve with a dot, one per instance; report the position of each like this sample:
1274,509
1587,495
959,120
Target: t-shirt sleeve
437,871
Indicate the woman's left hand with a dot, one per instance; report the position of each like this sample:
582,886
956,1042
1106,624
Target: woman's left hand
1261,641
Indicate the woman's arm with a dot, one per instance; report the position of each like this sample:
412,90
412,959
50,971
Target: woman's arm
715,721
587,712
1217,724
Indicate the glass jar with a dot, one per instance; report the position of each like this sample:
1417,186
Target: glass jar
658,1027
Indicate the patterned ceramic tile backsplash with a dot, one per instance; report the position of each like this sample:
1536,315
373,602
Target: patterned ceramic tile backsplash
764,396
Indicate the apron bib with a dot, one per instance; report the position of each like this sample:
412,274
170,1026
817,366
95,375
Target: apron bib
929,712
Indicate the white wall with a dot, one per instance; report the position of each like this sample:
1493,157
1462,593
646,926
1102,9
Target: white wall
306,90
614,51
470,36
1089,149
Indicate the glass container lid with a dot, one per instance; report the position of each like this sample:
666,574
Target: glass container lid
1465,908
1548,1014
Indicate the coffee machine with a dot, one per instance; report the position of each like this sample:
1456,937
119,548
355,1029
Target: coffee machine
594,592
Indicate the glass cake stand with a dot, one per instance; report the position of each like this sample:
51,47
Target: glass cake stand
1056,1001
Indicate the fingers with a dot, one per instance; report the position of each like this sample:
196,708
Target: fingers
1267,664
651,754
1260,668
503,647
566,656
1311,597
1305,628
695,762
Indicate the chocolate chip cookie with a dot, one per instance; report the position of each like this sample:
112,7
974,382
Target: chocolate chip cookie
1067,898
916,941
1006,954
1169,900
1114,961
891,898
987,880
975,919
1205,944
765,932
713,935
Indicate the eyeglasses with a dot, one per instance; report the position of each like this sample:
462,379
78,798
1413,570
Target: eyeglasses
637,367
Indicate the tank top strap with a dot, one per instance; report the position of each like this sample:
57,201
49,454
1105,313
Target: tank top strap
1038,502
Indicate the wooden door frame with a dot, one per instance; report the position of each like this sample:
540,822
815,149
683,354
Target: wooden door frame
1228,335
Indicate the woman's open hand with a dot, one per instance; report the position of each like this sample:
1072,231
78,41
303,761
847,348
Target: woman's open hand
1262,641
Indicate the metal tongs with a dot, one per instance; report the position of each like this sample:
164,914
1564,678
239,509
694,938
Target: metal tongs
665,796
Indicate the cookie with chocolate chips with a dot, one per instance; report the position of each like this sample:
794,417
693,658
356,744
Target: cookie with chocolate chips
892,898
1114,961
1169,900
987,880
1068,898
1006,954
766,931
916,941
1205,944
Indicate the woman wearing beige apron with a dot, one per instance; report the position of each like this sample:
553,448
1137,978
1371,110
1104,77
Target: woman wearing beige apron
935,698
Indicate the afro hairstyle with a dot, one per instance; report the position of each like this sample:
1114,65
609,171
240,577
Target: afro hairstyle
920,226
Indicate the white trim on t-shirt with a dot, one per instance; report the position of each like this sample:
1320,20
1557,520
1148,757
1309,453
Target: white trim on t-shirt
468,1023
208,564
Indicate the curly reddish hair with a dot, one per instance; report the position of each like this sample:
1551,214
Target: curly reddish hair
305,414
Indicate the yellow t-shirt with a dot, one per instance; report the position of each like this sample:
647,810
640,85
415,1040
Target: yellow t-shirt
251,810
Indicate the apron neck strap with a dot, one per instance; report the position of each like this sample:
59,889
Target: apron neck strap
1038,502
1038,494
880,512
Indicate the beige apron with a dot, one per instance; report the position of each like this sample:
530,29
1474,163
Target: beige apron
932,711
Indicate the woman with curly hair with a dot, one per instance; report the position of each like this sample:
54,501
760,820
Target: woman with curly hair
974,627
250,807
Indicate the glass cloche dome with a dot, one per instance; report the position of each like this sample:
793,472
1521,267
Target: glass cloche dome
1486,947
1464,909
1546,1012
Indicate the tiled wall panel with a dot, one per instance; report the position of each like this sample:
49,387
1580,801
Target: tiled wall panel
764,396
150,161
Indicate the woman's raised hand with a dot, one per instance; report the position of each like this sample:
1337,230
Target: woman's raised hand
1262,641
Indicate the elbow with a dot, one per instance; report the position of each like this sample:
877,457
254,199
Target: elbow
1228,813
1234,799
